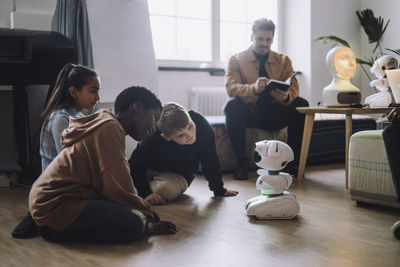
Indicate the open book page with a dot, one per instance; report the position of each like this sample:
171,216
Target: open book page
275,84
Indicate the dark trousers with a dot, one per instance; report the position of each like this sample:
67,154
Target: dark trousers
270,116
101,221
391,138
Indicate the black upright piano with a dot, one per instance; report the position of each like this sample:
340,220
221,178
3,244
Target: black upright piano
29,64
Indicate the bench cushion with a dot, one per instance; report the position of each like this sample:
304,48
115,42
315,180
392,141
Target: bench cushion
369,171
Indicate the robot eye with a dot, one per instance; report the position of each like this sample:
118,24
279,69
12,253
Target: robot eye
257,157
283,163
260,182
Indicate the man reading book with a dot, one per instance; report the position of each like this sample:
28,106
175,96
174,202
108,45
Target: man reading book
251,105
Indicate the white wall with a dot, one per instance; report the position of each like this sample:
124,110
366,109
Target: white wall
25,6
122,45
174,86
332,18
304,20
6,6
32,15
295,39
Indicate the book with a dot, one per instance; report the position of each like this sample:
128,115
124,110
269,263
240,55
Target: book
280,85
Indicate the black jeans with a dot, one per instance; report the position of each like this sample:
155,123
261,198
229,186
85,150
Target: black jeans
101,221
391,138
270,116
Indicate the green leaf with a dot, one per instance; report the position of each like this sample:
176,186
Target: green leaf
370,61
397,51
334,39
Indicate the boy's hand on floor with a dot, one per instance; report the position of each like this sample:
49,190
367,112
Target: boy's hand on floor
155,199
230,193
161,227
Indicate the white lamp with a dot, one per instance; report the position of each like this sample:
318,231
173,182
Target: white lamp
393,77
340,92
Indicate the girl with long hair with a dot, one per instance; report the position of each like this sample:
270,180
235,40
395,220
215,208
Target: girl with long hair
75,93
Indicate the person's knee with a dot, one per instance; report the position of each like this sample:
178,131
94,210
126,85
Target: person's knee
300,102
169,185
233,104
391,132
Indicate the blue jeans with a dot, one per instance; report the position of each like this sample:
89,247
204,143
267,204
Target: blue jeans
101,221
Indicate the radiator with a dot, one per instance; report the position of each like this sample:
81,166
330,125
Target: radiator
208,100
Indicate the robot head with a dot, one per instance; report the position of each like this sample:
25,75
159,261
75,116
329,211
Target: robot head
341,61
272,155
382,64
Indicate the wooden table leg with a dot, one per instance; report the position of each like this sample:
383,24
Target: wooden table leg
349,130
308,127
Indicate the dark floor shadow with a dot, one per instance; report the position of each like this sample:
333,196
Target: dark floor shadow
108,250
377,208
183,200
276,222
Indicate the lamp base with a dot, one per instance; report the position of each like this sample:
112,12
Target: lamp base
338,98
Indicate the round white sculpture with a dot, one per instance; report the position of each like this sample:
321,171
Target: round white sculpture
341,61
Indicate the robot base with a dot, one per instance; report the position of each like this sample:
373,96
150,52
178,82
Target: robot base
263,207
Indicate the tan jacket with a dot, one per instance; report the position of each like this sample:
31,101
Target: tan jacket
91,165
242,74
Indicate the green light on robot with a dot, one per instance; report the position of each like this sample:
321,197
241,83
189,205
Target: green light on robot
265,194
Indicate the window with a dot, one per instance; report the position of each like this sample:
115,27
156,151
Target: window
191,32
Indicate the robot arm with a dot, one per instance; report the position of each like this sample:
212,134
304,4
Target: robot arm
381,84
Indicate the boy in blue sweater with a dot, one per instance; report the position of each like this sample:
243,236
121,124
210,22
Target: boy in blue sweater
162,165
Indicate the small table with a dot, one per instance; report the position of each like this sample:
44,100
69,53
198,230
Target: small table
309,123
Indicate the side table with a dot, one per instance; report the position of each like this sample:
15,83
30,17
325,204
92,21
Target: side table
309,123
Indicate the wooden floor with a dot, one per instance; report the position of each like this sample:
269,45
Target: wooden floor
331,230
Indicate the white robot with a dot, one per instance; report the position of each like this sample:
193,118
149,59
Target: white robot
384,97
275,202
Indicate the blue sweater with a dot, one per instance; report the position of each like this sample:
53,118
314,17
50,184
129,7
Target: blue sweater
50,133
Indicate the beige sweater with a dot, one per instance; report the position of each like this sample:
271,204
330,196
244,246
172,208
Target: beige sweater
242,74
91,165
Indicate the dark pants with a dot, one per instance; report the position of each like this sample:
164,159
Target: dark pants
101,221
391,138
270,116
